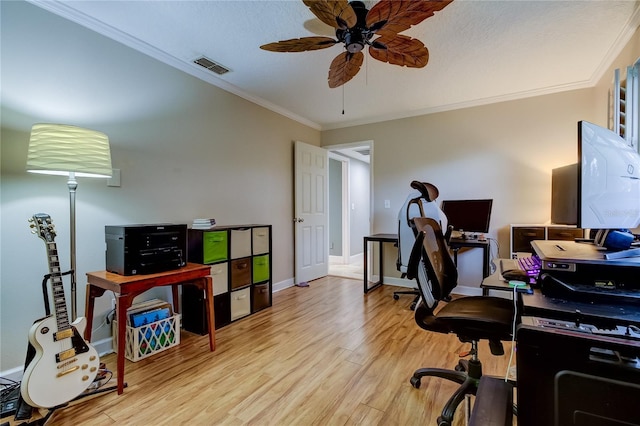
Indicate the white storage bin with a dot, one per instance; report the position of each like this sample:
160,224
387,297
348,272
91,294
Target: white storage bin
260,240
240,243
142,342
220,276
240,303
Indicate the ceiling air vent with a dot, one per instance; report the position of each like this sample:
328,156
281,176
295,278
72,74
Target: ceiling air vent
211,66
365,151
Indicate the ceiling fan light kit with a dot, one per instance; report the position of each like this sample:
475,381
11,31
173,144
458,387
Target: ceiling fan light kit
356,26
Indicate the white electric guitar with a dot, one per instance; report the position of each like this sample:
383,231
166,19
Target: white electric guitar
64,364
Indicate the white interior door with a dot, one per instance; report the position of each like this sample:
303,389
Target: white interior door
311,219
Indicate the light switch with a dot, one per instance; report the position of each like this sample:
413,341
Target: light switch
387,204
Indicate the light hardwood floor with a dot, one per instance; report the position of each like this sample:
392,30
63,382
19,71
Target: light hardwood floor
322,355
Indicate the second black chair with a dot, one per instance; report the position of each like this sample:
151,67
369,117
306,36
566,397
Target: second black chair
471,318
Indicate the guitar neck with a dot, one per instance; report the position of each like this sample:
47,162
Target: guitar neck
59,302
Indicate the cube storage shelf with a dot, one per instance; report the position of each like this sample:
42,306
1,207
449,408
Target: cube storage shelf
241,265
149,339
522,235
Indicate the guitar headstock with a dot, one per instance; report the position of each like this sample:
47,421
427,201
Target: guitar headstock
42,226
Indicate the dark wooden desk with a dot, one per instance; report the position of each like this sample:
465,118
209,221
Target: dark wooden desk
496,282
380,239
458,243
598,314
128,287
533,303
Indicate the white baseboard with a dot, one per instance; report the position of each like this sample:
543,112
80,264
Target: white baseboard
104,347
464,290
356,258
282,285
403,282
400,282
339,260
13,373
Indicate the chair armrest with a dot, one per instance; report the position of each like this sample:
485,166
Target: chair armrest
494,403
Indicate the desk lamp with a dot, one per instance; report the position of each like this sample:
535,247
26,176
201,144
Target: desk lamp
58,149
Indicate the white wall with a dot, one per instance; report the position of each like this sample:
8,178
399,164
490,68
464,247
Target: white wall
359,196
504,151
208,154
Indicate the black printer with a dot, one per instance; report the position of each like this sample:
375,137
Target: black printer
145,249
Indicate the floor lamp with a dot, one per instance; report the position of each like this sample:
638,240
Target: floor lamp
58,149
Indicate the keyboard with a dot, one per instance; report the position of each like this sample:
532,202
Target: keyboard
530,264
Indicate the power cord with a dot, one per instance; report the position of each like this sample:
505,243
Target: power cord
492,256
513,332
108,319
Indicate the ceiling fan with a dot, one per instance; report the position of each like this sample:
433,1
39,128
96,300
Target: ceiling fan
356,27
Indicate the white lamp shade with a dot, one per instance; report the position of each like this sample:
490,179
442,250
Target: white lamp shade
60,149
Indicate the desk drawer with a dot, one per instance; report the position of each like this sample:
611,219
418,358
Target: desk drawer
568,234
522,236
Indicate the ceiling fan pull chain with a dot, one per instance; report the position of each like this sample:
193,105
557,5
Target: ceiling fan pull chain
343,99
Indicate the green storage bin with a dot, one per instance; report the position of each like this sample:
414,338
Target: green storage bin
260,268
214,246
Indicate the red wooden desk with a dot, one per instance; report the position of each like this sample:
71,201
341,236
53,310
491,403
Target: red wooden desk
128,287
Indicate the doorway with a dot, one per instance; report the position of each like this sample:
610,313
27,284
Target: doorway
350,188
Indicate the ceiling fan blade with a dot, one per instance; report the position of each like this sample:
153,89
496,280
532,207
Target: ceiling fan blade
337,13
390,17
344,67
300,44
317,27
401,50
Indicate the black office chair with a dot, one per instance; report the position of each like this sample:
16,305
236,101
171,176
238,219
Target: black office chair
420,203
470,318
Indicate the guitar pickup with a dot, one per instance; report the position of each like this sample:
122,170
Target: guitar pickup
64,355
64,334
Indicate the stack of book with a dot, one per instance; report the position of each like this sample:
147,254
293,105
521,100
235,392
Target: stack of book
203,223
145,313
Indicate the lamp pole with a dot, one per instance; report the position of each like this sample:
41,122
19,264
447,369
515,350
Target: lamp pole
73,185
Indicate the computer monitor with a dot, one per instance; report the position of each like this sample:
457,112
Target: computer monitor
564,195
608,180
468,215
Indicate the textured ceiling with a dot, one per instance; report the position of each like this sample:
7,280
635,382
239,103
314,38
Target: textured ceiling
480,52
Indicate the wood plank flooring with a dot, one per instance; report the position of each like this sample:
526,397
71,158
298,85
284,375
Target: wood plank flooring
322,355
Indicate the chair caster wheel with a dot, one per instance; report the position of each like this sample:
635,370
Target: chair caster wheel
443,422
415,382
396,297
459,368
413,306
